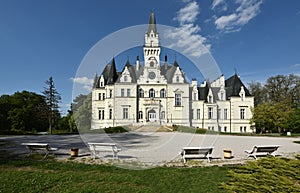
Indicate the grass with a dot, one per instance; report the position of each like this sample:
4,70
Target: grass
265,175
51,176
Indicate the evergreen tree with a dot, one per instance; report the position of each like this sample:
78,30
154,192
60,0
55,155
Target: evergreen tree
52,98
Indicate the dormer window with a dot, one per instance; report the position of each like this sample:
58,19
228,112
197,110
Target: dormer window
151,64
210,99
177,79
125,78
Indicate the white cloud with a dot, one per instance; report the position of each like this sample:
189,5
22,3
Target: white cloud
85,82
188,14
296,65
216,3
247,10
186,36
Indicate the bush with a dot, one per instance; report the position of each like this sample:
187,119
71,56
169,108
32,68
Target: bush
115,130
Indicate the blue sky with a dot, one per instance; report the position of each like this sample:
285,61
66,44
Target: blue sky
39,38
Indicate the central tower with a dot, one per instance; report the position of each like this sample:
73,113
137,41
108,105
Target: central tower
151,47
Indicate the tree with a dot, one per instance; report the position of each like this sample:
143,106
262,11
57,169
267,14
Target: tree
27,112
82,110
284,88
259,92
52,98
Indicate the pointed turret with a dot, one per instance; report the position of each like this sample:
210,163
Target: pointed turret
113,75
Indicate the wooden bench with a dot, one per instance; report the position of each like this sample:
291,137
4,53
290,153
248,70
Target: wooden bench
196,152
96,148
40,148
262,150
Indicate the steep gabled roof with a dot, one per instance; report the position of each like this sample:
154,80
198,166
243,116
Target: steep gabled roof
96,81
203,92
233,86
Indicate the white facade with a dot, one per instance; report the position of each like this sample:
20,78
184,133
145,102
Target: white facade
154,93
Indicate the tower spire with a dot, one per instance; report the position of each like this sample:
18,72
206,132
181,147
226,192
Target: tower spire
152,24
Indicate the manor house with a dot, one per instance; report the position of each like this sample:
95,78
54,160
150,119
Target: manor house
155,92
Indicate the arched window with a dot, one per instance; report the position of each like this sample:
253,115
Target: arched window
162,93
163,115
151,93
141,93
140,114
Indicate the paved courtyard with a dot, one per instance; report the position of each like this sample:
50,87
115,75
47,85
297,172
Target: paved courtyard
155,148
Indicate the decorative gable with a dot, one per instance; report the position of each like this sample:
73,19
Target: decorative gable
178,76
125,76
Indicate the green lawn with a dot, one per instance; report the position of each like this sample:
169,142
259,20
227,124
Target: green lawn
51,176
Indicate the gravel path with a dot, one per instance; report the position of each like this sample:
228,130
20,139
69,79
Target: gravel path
155,148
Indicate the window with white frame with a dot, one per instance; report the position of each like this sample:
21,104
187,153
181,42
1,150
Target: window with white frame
242,113
103,96
125,78
110,93
163,115
122,92
225,114
128,92
100,114
210,112
99,96
151,93
125,113
162,93
177,79
110,114
141,93
178,100
140,114
198,113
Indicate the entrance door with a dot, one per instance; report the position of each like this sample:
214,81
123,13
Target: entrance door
152,115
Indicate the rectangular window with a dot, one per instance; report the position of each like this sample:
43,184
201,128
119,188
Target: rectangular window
225,129
219,113
99,96
103,96
225,113
100,114
210,112
110,113
195,96
178,100
245,129
242,113
128,92
122,92
198,113
125,113
110,93
192,113
241,129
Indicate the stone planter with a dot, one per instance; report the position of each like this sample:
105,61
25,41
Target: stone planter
227,154
74,152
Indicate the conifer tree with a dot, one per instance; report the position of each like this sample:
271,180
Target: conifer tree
52,97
